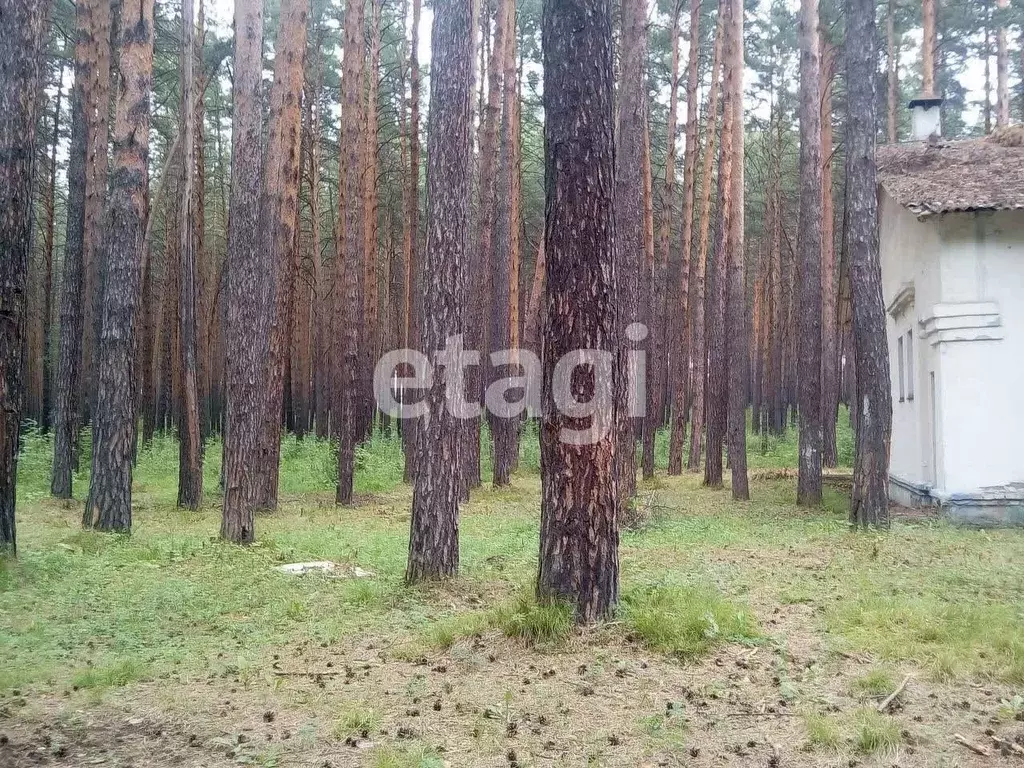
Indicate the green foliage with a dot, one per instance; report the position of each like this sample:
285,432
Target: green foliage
822,731
685,621
406,757
876,682
358,721
875,732
522,618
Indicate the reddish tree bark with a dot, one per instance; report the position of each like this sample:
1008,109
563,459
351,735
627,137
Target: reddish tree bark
190,454
87,183
698,299
809,254
109,506
21,64
278,225
349,261
629,226
736,312
248,284
434,527
870,502
579,534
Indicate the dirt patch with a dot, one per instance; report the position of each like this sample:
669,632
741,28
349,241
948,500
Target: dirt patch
489,701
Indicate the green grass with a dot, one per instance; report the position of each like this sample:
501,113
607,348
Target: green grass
876,682
406,757
685,621
865,730
874,732
80,608
357,722
823,732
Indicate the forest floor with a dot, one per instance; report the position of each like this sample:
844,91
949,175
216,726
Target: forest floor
753,634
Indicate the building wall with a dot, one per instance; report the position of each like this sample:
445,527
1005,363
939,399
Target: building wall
982,349
965,274
910,260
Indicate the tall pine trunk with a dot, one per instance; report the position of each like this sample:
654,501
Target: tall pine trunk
717,397
504,431
579,532
629,231
87,183
349,260
809,255
698,286
190,454
248,286
928,46
109,506
679,316
870,502
736,306
278,226
434,526
413,269
21,64
829,272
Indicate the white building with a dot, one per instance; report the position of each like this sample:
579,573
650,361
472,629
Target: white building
951,227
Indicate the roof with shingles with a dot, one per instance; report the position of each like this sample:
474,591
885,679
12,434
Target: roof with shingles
935,177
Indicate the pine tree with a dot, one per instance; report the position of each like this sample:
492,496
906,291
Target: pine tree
629,225
870,503
109,506
278,227
349,260
87,182
698,299
737,341
248,283
190,455
579,534
809,254
679,348
21,67
434,527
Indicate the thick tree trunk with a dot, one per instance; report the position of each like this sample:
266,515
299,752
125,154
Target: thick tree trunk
248,284
736,308
349,261
434,527
87,184
21,63
680,314
109,506
190,454
579,535
278,225
829,273
870,503
698,303
809,255
629,231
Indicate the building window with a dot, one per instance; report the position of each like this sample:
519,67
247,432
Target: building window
910,364
899,368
